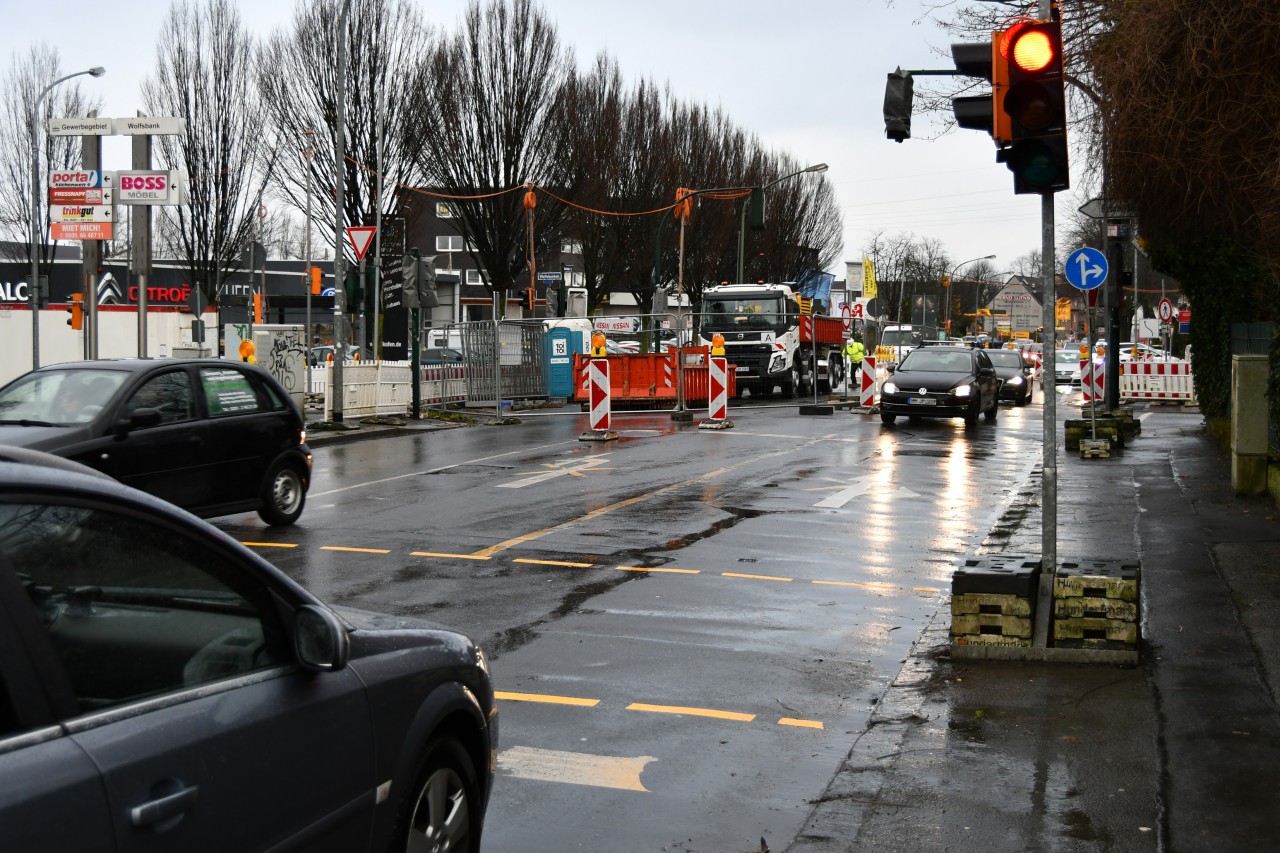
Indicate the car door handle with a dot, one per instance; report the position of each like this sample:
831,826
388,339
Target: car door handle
163,808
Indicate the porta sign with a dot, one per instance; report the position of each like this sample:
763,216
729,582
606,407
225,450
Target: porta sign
144,188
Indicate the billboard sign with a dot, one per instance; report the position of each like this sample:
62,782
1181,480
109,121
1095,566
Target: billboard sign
145,187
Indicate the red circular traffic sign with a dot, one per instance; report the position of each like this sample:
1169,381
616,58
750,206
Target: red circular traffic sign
1166,311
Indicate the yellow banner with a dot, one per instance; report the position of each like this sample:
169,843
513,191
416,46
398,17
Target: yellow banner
868,279
1062,309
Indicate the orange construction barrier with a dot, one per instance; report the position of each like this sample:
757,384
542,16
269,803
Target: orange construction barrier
649,379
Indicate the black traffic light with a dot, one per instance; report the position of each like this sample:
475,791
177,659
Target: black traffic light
899,91
755,209
351,284
982,112
562,298
1036,106
76,309
409,266
530,298
427,297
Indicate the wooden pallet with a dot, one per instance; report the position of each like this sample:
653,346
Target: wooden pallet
1078,607
967,624
991,602
1114,630
1095,448
990,640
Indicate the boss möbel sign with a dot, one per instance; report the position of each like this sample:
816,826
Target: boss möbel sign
144,188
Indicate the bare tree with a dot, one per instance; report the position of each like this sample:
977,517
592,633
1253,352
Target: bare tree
907,267
387,40
27,77
487,110
203,73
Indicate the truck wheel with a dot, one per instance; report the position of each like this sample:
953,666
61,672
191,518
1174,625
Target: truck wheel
835,369
791,385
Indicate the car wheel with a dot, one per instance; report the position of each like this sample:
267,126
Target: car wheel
1024,399
283,496
887,418
441,812
992,413
971,416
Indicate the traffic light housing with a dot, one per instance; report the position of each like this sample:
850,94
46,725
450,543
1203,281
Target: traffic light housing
317,280
1035,103
983,112
562,298
530,298
76,309
352,285
899,92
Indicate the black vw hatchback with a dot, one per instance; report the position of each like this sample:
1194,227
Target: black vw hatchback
214,437
942,382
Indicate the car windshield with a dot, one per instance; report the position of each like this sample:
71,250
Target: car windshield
59,397
899,338
1005,357
940,360
1066,356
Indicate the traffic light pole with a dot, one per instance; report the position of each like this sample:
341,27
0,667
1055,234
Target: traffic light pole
1049,464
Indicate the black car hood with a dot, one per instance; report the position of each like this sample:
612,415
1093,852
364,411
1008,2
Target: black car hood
42,437
1008,372
931,380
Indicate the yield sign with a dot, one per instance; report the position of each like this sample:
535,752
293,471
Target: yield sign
361,238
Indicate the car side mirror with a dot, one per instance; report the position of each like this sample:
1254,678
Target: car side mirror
319,640
138,419
986,371
891,367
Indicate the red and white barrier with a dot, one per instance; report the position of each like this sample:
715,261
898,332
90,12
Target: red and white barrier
1092,380
718,388
598,376
1156,380
867,394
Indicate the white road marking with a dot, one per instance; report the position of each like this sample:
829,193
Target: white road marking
574,768
858,489
557,471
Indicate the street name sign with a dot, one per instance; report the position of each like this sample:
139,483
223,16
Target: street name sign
151,126
82,127
1086,268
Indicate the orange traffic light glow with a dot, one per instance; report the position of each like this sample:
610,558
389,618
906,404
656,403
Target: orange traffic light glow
1033,51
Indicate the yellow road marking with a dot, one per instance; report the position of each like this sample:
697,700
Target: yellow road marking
575,768
270,544
925,589
755,577
546,698
669,571
804,724
866,585
355,550
438,554
693,712
608,508
554,563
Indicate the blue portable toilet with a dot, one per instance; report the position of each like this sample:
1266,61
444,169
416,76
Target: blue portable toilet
559,346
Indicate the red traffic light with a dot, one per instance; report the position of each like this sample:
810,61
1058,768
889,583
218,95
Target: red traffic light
1033,50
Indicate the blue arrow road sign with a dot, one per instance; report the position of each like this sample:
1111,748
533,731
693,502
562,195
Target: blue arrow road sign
1086,268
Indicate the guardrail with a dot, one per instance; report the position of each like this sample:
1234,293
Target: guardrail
1156,381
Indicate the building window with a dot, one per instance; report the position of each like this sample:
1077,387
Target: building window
443,210
476,277
449,243
571,249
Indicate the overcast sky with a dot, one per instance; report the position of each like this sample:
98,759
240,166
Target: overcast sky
806,76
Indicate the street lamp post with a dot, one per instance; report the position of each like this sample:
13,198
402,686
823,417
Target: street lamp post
951,274
33,286
742,219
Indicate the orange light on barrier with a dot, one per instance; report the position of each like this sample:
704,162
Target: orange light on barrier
717,344
246,352
597,346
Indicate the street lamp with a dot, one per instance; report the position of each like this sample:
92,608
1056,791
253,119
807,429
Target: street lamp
955,270
33,287
742,219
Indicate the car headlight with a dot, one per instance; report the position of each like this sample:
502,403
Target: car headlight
960,391
890,388
1015,380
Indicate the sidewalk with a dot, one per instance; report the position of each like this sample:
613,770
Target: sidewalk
1181,753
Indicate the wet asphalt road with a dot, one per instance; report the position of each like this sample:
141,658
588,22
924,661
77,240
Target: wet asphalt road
687,627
